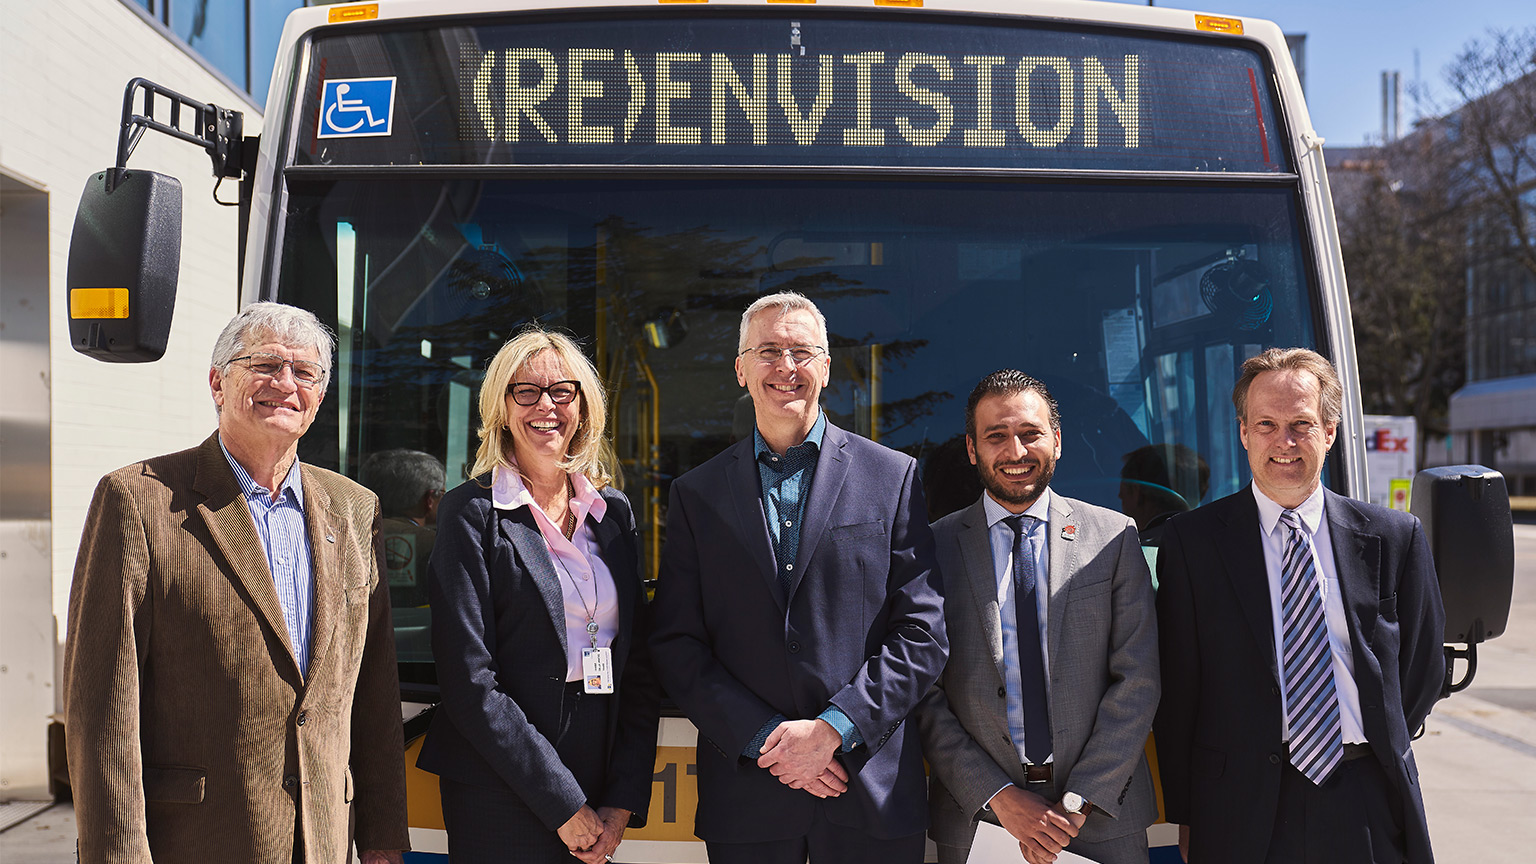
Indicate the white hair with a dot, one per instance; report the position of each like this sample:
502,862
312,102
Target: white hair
275,322
785,302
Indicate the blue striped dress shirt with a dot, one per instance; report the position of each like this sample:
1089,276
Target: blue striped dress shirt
285,537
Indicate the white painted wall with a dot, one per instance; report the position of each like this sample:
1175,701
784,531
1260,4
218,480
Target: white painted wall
63,67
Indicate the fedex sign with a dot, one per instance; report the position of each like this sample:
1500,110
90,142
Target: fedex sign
1391,448
1384,441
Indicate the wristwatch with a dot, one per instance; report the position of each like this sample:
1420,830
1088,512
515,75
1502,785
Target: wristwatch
1075,803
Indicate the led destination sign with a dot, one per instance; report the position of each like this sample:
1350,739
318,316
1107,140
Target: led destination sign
824,92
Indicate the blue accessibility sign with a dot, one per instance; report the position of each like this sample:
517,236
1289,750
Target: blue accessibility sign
357,107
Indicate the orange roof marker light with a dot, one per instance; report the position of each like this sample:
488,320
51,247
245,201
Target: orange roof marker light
682,1
1214,24
911,4
356,12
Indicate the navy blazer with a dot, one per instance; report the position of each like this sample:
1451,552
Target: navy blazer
862,628
1219,725
499,642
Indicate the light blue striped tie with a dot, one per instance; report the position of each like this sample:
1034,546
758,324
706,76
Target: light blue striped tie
1311,702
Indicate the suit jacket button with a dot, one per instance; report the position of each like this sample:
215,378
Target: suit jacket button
290,781
1002,693
302,718
1274,759
794,647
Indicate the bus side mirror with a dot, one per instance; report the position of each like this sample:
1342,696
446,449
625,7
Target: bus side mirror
1465,511
124,260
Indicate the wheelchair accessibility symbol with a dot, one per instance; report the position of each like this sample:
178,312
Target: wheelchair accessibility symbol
357,107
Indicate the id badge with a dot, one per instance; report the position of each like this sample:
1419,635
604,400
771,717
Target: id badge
597,669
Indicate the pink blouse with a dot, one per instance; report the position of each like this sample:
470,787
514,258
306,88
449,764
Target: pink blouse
584,578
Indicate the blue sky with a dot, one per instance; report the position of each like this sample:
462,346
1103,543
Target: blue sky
1350,42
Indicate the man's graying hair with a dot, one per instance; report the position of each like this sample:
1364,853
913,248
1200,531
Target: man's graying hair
273,322
785,302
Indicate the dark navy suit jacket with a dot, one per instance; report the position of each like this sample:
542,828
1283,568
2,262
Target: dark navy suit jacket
862,628
498,639
1219,725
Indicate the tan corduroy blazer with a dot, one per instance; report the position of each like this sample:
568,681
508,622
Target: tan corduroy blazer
192,735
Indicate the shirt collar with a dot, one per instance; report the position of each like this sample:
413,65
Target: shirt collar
251,489
996,512
509,492
1310,511
814,437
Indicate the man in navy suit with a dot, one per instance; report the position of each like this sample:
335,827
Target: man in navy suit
1266,756
799,619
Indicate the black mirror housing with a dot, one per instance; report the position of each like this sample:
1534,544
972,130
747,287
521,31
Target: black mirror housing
1465,512
124,261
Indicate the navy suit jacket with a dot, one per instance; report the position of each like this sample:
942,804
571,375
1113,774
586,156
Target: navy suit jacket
862,628
1219,725
499,642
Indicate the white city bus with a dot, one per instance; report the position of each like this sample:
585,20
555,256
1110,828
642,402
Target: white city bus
1125,202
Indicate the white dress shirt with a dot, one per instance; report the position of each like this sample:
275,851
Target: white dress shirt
1272,533
584,578
1001,535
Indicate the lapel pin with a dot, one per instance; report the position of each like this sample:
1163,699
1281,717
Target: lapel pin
1069,532
330,538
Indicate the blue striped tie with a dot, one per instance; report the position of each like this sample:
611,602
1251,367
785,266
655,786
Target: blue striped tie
1032,671
1311,702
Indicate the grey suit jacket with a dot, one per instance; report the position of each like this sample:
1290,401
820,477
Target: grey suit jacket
1101,632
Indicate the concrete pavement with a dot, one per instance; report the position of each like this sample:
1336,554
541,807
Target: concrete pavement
1477,759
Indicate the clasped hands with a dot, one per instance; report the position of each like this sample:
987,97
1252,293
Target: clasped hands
1042,829
801,754
592,835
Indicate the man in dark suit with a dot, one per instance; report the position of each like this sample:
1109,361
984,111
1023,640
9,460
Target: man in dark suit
1301,647
1039,722
799,618
229,671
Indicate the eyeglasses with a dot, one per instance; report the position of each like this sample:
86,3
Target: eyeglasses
560,392
769,355
306,374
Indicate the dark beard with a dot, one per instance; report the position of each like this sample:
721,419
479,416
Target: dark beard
990,483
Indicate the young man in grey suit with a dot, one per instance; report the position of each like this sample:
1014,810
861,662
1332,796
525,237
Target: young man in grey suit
1040,720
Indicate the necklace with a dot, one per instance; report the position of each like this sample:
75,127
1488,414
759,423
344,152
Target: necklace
591,611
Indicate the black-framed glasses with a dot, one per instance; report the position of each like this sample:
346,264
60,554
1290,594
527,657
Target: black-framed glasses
771,354
560,392
306,374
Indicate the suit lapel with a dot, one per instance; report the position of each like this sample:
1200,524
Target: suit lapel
224,511
1242,552
745,489
326,535
1062,542
979,571
826,485
1356,554
517,526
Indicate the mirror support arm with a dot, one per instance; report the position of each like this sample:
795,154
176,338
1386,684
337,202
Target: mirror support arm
219,131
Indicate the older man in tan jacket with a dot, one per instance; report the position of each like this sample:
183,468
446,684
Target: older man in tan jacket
229,669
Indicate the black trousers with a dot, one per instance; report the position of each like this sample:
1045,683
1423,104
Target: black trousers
1355,817
826,844
495,826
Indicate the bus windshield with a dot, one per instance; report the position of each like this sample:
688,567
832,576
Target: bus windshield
638,185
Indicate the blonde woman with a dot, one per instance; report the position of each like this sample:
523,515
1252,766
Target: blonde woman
545,739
